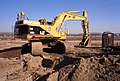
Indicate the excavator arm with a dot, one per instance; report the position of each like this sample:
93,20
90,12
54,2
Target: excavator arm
71,15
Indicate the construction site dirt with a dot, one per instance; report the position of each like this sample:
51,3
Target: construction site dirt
80,64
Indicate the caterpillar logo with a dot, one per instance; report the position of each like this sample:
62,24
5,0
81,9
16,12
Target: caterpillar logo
42,32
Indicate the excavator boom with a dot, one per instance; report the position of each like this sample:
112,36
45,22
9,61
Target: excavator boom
71,15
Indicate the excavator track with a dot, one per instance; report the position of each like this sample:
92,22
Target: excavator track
62,47
36,48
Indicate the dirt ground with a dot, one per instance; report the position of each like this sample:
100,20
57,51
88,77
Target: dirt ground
81,64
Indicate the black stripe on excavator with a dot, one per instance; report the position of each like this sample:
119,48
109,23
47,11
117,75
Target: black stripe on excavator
26,29
37,30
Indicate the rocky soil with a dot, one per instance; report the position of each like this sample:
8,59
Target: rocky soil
82,64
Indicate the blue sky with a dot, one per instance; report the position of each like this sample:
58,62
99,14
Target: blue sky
104,15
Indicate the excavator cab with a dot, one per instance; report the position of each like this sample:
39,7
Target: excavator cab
43,21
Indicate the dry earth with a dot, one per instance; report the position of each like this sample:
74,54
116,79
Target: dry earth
81,64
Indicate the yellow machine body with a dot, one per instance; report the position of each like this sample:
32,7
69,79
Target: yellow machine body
43,30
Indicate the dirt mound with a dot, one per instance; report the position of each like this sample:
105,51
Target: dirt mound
83,64
98,69
60,68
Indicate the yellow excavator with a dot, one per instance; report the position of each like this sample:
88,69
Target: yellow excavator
42,32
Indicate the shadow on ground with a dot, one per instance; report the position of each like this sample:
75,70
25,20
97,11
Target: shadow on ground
10,52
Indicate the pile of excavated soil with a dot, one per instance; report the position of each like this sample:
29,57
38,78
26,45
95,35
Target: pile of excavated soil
82,64
53,67
98,69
